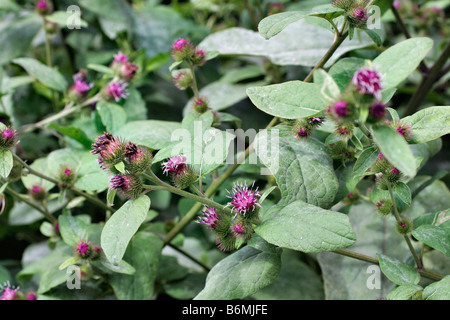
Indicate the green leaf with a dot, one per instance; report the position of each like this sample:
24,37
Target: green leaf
17,36
100,68
6,163
305,227
40,165
437,237
62,18
113,116
241,274
365,160
440,218
303,169
123,267
290,100
72,229
49,77
329,89
404,292
399,61
429,123
343,70
374,36
281,49
69,262
438,290
395,149
397,271
121,227
402,191
75,133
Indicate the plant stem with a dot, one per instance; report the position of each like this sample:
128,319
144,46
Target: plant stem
63,113
194,81
428,80
408,241
77,191
212,189
46,214
427,274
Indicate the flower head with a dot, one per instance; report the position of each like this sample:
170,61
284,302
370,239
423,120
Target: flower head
116,90
37,192
129,185
138,158
316,121
358,17
341,108
128,70
8,292
120,57
368,81
200,105
43,7
199,57
8,138
176,164
377,110
403,128
243,198
210,218
182,49
182,79
31,296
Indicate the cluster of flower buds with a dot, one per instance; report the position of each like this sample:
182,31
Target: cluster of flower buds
184,50
232,232
8,138
385,173
304,127
355,11
80,88
85,250
9,292
67,176
180,172
136,160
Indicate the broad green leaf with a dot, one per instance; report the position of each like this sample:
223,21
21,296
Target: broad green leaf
75,133
374,36
144,253
123,267
290,100
437,237
296,281
40,165
72,229
49,77
440,218
187,288
155,134
429,123
241,274
303,169
69,262
396,150
406,291
121,227
365,160
403,192
399,61
346,278
397,271
17,36
113,116
100,68
62,18
6,163
305,227
329,89
438,290
344,69
281,49
274,24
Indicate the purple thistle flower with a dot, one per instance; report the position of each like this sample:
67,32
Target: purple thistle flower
303,132
31,296
341,108
210,218
117,90
377,110
8,292
120,182
120,57
403,128
42,5
182,49
397,4
7,134
83,248
176,164
8,139
368,81
395,171
243,198
82,87
128,70
238,229
316,121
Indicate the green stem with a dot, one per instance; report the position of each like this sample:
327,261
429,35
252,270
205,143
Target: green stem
194,81
63,113
45,212
427,274
407,240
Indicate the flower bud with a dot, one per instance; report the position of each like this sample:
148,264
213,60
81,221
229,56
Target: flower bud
302,129
199,57
115,90
67,176
130,186
111,150
8,138
44,7
182,78
38,193
368,82
200,105
138,159
384,206
31,296
316,121
182,175
128,71
85,250
404,226
344,131
403,128
182,49
380,164
358,17
377,111
243,199
393,175
80,88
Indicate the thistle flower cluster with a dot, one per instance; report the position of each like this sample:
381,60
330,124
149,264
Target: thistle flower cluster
180,172
233,231
8,138
303,128
136,159
184,50
85,250
356,12
385,173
